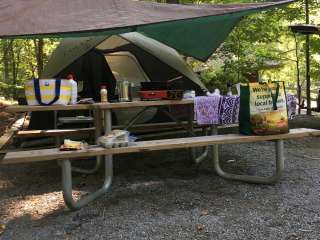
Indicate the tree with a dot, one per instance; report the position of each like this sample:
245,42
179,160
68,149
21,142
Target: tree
22,60
38,48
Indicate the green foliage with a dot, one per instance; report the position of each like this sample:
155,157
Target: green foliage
261,39
21,60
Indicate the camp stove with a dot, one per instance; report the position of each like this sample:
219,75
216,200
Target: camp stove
156,90
152,95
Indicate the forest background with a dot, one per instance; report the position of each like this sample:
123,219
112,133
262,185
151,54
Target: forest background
259,43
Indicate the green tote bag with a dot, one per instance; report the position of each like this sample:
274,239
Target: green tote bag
263,109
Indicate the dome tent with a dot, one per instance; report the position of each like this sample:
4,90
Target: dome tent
97,61
158,61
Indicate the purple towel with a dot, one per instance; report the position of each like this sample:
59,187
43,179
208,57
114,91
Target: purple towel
230,109
207,110
292,106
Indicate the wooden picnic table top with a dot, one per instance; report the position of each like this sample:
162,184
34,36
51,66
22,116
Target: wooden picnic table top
118,105
154,145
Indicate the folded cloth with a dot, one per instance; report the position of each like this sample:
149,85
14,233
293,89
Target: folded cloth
216,109
230,106
292,106
207,109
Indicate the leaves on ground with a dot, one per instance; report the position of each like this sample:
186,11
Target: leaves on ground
200,227
2,228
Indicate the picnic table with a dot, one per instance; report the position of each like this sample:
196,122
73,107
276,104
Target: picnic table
103,124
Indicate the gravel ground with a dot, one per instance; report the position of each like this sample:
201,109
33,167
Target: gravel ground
161,195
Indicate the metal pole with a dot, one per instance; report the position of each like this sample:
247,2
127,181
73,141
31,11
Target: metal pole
308,84
108,129
298,74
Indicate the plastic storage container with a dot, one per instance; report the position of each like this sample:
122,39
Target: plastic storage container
117,138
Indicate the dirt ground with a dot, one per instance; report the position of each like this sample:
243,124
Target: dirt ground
6,119
161,195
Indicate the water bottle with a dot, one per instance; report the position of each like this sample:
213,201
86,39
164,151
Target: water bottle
74,89
104,94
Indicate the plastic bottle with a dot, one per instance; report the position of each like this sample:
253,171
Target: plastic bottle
74,89
104,94
216,91
229,91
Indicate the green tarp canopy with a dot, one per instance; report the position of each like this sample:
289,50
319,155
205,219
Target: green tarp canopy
193,30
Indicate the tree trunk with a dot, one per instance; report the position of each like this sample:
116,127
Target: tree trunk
5,60
14,67
38,47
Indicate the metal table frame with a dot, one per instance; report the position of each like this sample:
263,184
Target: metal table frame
67,169
103,111
108,161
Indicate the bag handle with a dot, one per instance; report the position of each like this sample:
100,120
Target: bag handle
37,91
275,95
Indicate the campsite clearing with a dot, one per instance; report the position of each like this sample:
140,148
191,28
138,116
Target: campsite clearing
166,197
147,146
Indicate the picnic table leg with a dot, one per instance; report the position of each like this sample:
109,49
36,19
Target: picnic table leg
213,131
67,170
191,129
98,133
67,185
253,179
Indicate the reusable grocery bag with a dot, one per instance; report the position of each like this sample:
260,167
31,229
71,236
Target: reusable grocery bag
48,91
263,109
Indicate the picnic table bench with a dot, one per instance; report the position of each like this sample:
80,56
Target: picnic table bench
105,155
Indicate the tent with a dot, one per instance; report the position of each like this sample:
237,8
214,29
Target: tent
158,61
131,56
193,30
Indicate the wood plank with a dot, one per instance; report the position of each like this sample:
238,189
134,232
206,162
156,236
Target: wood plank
27,108
153,127
54,132
154,145
142,104
19,123
5,138
164,126
9,134
139,128
174,132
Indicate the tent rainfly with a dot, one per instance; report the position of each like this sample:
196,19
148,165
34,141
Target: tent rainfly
193,30
70,50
